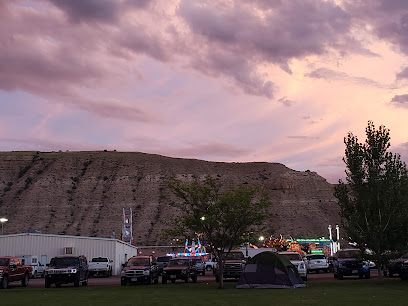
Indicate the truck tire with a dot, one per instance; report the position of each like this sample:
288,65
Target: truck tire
304,278
149,280
173,281
156,280
164,280
85,281
35,274
194,278
25,280
187,277
76,281
123,282
4,282
47,283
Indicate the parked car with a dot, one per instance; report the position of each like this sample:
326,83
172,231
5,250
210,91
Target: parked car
180,268
11,270
200,265
100,266
233,267
162,262
296,259
67,269
140,269
317,263
210,263
394,266
350,262
38,268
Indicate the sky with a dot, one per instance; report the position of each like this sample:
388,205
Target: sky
217,80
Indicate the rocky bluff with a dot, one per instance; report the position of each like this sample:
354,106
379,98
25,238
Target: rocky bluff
83,193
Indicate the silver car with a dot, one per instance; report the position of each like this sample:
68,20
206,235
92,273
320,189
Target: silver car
317,262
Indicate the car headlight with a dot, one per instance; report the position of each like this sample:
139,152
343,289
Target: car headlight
146,272
74,271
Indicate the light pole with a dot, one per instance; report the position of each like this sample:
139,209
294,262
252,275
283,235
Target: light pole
3,220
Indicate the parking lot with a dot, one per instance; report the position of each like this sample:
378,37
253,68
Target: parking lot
208,278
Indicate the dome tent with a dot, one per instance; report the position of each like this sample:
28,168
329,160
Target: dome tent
270,270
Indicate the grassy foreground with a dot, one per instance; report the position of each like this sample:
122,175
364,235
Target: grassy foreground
348,292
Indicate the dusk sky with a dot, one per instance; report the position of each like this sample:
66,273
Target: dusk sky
218,80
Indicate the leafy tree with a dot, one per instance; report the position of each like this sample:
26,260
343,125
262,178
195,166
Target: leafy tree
221,218
374,202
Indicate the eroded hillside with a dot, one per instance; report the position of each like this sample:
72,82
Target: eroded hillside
83,193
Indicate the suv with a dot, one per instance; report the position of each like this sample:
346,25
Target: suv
350,262
140,269
200,265
162,262
233,267
297,261
395,266
317,262
67,269
179,268
11,270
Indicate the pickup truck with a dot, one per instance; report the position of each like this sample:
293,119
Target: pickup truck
140,269
349,262
38,268
11,270
234,265
100,266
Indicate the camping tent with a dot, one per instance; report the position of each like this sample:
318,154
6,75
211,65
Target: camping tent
270,270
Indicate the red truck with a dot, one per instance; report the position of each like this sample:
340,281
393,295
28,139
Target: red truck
11,270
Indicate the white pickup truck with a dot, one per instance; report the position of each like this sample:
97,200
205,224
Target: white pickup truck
100,266
37,268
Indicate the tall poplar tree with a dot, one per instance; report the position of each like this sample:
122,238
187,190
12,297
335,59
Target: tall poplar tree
374,201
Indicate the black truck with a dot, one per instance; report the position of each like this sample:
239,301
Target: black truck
180,268
67,269
233,267
140,269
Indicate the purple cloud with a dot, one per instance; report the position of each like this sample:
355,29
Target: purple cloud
329,74
106,11
403,74
400,100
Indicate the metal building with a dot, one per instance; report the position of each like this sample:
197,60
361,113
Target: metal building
46,246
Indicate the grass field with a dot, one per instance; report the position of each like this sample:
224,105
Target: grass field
349,292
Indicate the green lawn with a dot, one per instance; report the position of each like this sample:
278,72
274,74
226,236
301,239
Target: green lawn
347,292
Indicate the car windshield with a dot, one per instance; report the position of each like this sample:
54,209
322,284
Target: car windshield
349,254
178,263
64,262
316,257
138,262
4,262
292,256
235,255
163,258
99,260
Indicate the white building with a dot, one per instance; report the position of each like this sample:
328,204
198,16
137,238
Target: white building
46,246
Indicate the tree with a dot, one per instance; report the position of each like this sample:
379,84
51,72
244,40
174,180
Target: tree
374,202
221,218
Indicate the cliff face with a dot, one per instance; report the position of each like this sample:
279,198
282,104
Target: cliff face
83,193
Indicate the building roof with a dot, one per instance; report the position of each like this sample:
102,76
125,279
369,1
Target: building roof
68,236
